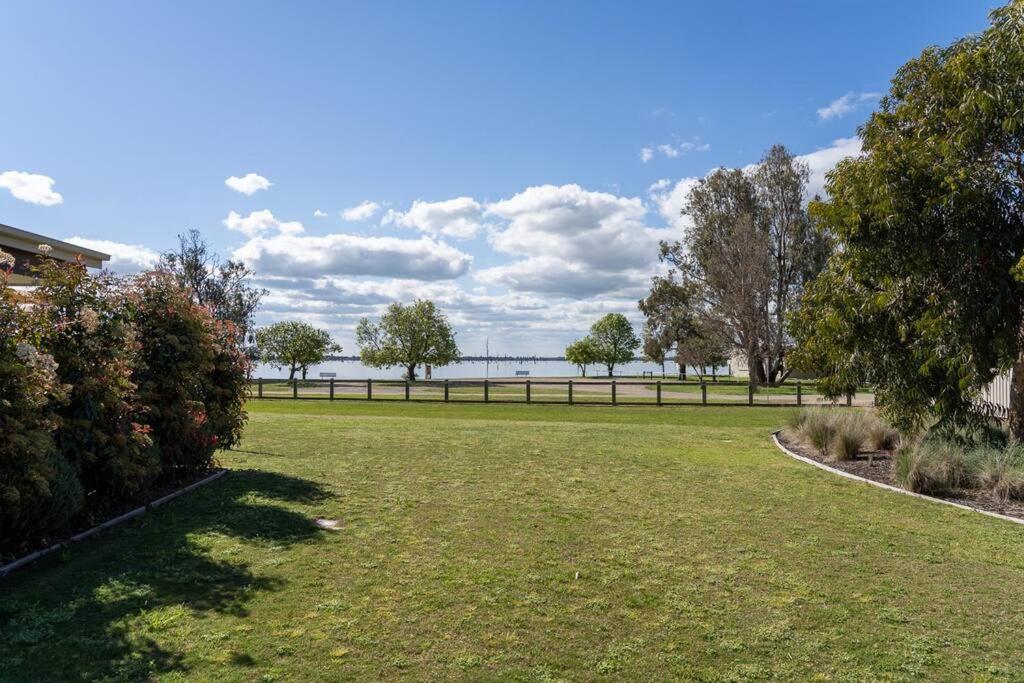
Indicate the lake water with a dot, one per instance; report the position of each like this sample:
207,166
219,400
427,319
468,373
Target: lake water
353,369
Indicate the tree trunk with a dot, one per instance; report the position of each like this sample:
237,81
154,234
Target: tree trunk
1015,417
291,372
411,372
610,369
304,371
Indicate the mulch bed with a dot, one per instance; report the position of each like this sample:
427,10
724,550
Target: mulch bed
880,469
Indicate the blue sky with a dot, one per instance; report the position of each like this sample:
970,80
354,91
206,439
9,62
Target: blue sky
549,145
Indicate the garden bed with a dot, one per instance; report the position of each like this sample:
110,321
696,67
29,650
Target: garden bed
877,466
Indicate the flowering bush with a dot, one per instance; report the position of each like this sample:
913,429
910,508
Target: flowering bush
38,490
107,387
85,324
191,375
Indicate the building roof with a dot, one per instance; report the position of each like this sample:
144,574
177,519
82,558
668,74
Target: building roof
23,240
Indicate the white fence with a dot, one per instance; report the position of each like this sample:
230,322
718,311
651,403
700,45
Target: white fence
997,395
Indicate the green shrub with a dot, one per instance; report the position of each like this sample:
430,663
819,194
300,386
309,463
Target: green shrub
999,472
795,419
191,377
38,494
85,324
932,466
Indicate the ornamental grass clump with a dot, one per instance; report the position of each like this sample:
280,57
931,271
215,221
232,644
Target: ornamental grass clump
999,472
818,429
932,466
848,437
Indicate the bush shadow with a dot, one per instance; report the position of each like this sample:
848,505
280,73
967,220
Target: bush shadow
78,616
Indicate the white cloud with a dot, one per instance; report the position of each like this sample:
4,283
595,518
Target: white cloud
842,106
361,212
125,259
575,242
668,150
669,198
319,214
249,184
31,187
259,222
821,161
460,217
673,150
293,255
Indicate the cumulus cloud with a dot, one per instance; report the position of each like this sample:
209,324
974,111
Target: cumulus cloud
249,184
842,106
293,255
360,212
555,276
260,222
31,187
573,242
646,154
823,160
319,214
125,259
460,217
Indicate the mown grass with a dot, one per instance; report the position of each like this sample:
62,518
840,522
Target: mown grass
524,543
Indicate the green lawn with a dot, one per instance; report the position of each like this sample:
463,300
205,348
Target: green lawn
525,543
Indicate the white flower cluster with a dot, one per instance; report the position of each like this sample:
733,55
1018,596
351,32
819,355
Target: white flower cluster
90,320
6,260
45,249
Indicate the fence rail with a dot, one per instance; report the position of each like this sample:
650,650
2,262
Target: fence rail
613,392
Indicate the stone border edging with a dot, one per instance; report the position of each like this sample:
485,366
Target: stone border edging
888,487
120,519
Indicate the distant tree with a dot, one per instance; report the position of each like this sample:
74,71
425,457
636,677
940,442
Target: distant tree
923,297
707,347
750,251
581,353
294,345
655,346
408,336
614,340
672,310
223,286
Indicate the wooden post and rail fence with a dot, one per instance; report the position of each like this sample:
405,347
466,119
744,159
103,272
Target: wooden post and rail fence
614,392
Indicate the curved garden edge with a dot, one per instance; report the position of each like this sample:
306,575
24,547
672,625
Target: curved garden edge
110,523
888,487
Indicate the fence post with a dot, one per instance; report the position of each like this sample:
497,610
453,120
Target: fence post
406,390
659,392
369,390
295,388
750,394
332,388
703,393
570,392
614,401
487,391
446,391
527,391
799,393
259,384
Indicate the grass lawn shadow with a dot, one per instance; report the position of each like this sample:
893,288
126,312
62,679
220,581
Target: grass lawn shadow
130,583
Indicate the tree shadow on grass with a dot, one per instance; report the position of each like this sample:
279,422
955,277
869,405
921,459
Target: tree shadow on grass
78,617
